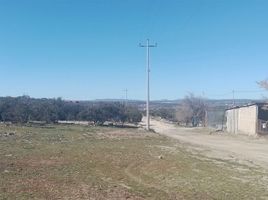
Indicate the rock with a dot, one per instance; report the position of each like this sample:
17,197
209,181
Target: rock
11,133
160,157
6,134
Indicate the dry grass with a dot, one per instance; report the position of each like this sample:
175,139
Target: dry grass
75,162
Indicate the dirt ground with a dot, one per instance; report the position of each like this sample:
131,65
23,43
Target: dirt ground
240,148
88,162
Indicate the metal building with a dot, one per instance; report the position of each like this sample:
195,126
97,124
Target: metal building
250,119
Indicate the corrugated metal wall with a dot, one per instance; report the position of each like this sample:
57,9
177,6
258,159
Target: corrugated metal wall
232,121
242,120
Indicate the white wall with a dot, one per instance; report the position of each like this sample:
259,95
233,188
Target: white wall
247,120
242,120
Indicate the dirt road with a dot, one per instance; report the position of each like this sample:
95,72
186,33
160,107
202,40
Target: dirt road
238,148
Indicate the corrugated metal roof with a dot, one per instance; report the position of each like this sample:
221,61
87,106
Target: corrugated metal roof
248,105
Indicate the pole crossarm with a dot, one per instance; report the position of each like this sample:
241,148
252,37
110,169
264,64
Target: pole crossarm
141,45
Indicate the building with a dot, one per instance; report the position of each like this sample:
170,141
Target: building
250,119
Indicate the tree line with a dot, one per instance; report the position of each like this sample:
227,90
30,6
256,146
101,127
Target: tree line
165,113
25,109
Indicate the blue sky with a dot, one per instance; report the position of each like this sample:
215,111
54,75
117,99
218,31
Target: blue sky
88,49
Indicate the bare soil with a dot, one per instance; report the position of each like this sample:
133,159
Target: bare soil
78,162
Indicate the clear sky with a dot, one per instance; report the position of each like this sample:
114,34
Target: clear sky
88,49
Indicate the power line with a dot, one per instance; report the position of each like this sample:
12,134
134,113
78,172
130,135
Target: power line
250,91
148,46
233,92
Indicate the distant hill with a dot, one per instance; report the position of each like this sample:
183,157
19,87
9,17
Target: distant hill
165,103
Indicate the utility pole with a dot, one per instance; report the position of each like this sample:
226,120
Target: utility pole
126,100
233,98
148,46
